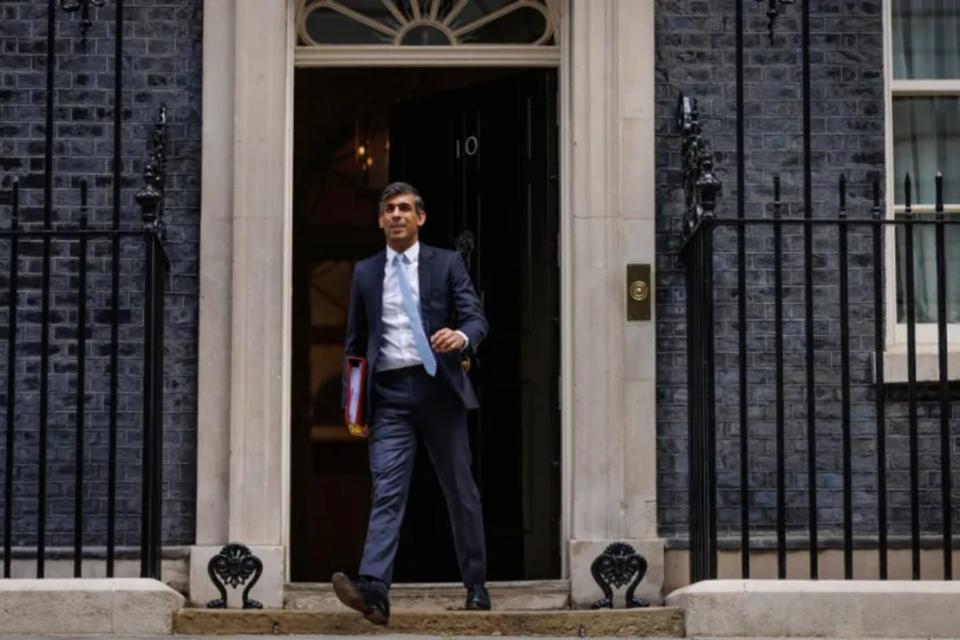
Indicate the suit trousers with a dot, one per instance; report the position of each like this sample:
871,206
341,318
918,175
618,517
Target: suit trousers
407,403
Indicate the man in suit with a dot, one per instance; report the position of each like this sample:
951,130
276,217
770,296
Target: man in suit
413,311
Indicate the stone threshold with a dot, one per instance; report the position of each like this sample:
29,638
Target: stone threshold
521,595
650,622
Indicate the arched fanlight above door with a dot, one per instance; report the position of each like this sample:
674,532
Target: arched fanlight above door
430,23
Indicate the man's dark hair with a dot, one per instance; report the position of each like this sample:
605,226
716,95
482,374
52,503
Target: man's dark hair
399,189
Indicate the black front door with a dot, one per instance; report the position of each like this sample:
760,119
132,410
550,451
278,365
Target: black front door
485,161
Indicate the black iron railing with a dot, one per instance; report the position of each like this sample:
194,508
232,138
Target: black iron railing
82,343
801,308
799,436
101,487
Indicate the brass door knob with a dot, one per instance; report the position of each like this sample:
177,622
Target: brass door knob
639,290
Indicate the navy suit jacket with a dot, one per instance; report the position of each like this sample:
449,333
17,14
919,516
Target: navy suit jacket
447,299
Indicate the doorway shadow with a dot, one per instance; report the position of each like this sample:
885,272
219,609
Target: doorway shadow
480,145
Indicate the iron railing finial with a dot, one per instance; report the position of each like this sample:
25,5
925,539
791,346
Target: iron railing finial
701,186
773,13
150,197
83,6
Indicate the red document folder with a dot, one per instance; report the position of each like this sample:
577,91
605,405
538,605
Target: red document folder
356,377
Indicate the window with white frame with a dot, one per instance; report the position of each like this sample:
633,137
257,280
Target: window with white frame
923,76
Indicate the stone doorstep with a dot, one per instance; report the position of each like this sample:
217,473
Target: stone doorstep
534,595
820,608
55,606
652,622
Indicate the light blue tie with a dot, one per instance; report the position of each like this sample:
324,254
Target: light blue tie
419,337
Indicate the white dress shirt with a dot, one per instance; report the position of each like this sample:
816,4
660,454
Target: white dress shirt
397,346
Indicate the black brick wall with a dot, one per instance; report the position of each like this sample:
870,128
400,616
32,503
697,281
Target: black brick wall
161,65
695,45
695,54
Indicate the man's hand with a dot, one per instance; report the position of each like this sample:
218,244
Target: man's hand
447,340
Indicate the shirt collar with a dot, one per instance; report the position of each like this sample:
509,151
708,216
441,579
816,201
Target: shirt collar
412,253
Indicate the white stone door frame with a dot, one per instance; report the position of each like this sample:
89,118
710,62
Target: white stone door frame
608,435
478,56
243,404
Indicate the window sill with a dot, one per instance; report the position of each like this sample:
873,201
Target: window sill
928,363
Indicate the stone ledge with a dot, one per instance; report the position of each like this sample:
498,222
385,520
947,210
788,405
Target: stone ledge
87,605
820,608
928,363
652,622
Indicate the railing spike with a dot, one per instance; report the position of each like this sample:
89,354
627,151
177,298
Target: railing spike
776,195
907,191
843,194
15,214
939,184
876,197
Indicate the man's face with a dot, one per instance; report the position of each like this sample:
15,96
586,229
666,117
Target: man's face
400,221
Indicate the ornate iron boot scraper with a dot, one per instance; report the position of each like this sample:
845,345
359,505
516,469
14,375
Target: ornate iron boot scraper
615,566
234,565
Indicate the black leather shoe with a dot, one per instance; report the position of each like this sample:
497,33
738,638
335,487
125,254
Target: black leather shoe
478,599
368,598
